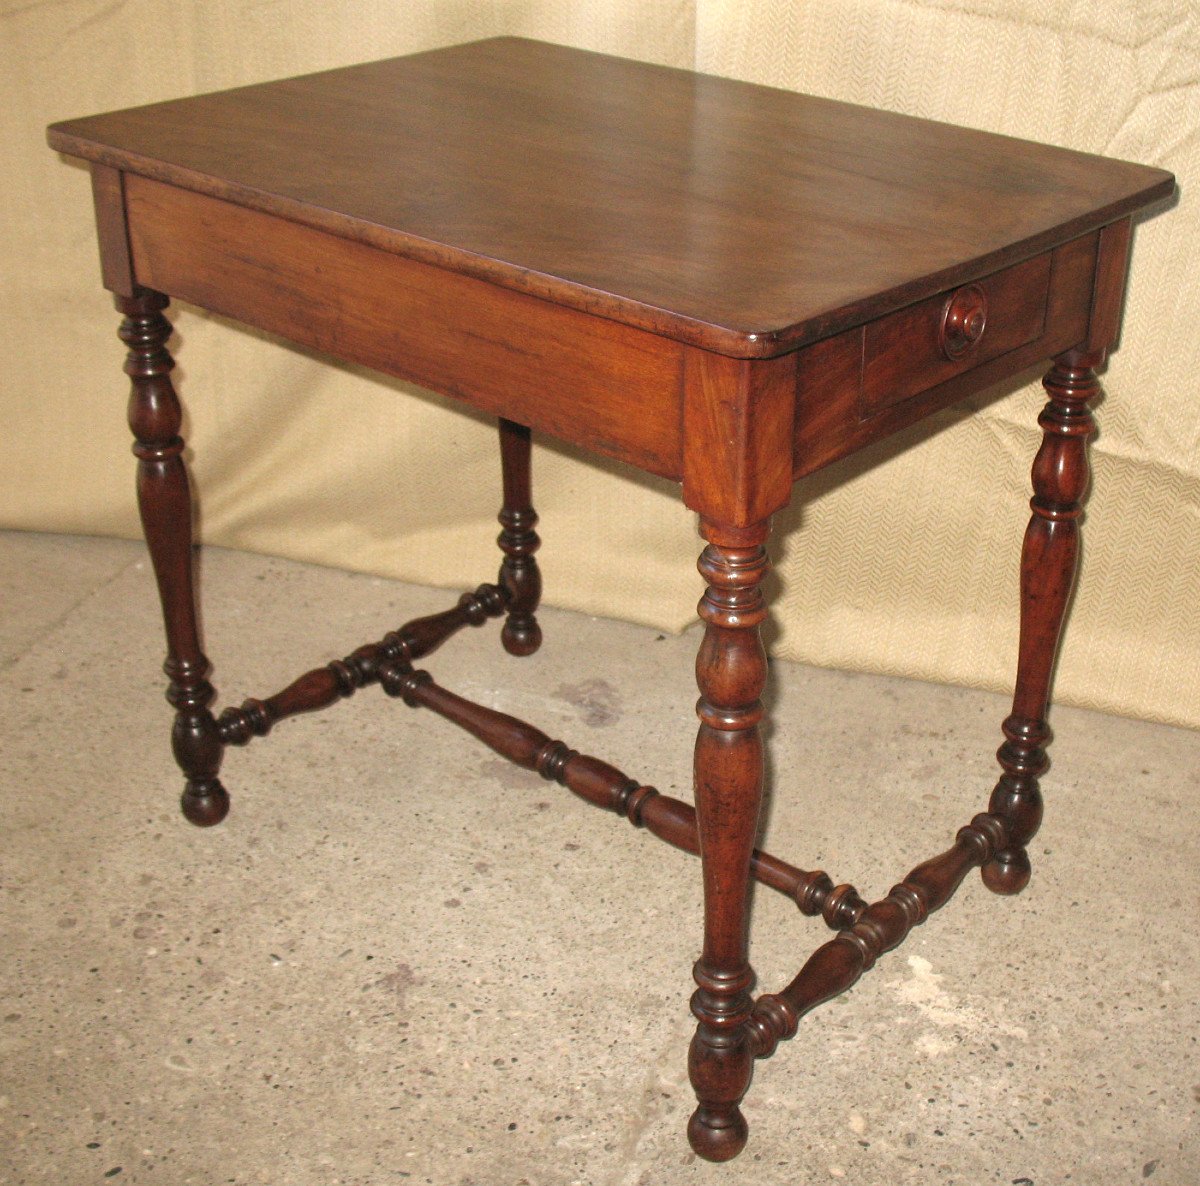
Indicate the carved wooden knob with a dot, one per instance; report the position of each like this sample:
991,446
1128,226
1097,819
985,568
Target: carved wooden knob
963,321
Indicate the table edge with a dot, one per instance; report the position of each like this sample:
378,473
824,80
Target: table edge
767,342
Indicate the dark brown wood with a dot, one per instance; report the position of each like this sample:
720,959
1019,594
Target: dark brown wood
731,670
834,967
726,285
518,540
835,415
965,317
604,786
165,504
1049,559
1109,293
1049,562
737,218
326,685
918,347
737,425
108,199
613,389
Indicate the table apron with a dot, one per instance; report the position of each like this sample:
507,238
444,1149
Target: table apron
610,388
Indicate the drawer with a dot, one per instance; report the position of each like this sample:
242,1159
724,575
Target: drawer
951,333
865,383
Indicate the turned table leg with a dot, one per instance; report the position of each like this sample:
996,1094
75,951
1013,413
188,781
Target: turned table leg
519,575
165,504
731,670
1049,559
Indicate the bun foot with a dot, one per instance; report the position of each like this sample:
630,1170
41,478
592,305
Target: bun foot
205,804
717,1136
1008,873
521,638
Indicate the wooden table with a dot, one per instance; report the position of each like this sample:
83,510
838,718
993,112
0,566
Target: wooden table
724,284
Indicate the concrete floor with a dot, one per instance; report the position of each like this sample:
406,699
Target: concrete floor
401,960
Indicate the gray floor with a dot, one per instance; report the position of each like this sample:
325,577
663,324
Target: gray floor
402,960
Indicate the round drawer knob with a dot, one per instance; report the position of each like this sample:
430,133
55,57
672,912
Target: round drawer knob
963,321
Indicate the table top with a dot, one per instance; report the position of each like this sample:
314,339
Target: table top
739,218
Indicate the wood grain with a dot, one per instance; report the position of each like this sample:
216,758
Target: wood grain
737,423
108,200
903,354
735,217
606,386
832,417
165,505
1108,297
723,284
1049,562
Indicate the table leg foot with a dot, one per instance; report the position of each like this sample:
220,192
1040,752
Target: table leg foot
717,1136
720,1065
1009,874
204,804
165,504
519,575
1017,798
731,670
1049,559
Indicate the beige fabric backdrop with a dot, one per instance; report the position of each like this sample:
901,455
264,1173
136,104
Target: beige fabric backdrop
901,560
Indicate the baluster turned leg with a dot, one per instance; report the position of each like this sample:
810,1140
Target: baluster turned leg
519,575
166,509
1049,560
731,670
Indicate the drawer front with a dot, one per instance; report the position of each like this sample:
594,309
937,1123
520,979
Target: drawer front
951,333
1035,309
